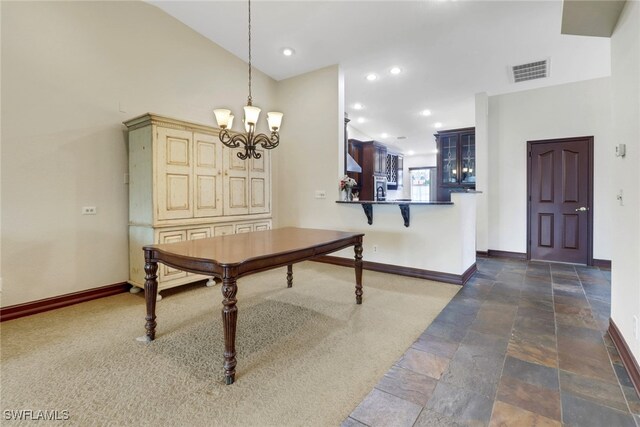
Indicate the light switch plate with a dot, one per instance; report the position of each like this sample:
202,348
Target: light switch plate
321,194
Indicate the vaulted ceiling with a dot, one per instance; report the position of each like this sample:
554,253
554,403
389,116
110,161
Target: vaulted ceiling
447,51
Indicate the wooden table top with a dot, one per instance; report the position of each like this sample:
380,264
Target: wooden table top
235,249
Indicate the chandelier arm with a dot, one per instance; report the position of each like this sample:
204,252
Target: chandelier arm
266,142
232,141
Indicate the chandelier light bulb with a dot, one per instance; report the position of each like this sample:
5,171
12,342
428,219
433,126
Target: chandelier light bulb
222,117
274,119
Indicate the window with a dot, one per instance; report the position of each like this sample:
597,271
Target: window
421,183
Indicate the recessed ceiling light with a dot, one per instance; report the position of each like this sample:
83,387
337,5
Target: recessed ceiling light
410,153
287,51
358,106
371,77
395,70
361,120
383,135
437,125
426,113
435,151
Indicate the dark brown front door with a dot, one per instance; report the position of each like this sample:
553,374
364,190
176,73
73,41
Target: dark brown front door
560,178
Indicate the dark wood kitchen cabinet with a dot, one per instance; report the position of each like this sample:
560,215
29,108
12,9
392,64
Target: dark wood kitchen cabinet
456,161
394,170
372,157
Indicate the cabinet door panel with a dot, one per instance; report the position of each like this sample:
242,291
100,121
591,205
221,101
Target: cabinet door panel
236,183
244,228
468,158
207,175
258,190
223,230
260,183
173,184
449,152
169,273
260,226
237,193
198,233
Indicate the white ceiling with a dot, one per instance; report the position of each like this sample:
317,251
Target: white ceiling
448,50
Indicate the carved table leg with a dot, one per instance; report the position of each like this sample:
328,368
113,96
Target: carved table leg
289,276
358,267
150,295
229,320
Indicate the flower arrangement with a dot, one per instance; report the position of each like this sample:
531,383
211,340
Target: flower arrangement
347,182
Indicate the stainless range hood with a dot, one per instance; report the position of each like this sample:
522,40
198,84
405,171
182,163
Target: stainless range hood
352,165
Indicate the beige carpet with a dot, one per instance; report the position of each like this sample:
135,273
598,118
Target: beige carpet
306,355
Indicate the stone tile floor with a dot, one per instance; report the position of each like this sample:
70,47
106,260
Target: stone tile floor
522,344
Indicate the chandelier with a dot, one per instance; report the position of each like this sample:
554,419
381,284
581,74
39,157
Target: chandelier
249,140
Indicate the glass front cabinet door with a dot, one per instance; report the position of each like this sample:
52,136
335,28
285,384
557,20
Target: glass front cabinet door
456,161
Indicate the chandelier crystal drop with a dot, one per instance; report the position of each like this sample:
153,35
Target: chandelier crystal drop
249,140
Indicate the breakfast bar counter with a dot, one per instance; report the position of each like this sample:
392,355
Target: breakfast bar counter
367,206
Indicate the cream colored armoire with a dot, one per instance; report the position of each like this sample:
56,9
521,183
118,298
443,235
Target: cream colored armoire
184,184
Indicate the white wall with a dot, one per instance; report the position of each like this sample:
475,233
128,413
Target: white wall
483,171
68,68
311,161
625,221
574,109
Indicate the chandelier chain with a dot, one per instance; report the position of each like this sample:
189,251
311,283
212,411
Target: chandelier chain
249,99
248,142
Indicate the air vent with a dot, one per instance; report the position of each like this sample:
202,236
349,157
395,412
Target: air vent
401,137
530,71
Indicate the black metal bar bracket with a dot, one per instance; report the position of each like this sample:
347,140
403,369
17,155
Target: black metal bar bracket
368,211
404,210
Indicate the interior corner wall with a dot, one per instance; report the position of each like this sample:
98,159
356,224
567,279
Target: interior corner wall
482,171
72,72
568,110
308,157
625,222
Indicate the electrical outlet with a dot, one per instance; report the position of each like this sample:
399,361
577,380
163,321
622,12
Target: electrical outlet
375,248
89,210
321,194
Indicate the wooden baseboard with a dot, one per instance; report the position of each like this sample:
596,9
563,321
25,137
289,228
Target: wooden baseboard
456,279
34,307
482,254
628,360
602,263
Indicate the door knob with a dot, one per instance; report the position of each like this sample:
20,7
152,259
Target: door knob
582,209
